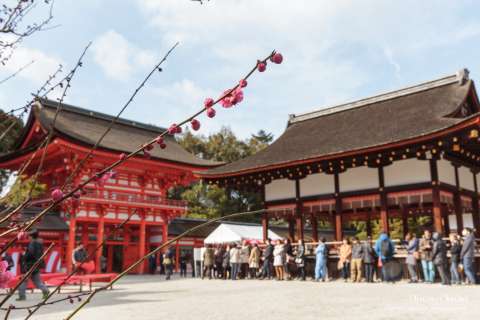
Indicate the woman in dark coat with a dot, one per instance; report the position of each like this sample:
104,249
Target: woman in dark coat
369,259
300,260
455,249
439,257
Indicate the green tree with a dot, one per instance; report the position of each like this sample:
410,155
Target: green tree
21,189
205,201
10,130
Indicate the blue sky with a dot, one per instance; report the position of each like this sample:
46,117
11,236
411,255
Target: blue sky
335,51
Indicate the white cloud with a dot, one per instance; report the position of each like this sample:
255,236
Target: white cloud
335,51
119,58
37,72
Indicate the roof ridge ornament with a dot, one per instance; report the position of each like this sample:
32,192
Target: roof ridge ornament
460,77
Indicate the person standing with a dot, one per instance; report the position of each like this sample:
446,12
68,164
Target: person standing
254,261
287,247
345,257
79,257
426,247
279,259
267,258
357,258
227,270
411,243
467,255
439,257
455,250
369,259
183,264
9,260
168,263
208,260
152,263
385,249
300,260
244,257
33,253
219,262
321,259
235,260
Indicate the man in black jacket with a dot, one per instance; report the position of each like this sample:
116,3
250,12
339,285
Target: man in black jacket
467,255
369,259
439,257
267,260
32,254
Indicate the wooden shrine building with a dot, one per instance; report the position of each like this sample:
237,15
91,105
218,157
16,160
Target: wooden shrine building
398,155
139,187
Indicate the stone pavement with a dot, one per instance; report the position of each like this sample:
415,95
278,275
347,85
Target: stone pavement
150,297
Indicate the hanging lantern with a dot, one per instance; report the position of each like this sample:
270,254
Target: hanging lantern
456,147
473,134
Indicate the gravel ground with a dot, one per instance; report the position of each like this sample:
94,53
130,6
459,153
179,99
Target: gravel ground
148,297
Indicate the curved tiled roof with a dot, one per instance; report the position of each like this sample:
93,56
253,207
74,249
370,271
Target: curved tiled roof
86,126
377,121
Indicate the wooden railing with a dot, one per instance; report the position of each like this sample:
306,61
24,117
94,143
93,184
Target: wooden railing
110,195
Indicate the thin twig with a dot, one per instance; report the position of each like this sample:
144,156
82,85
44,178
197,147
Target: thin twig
27,275
69,194
57,288
114,120
166,244
17,72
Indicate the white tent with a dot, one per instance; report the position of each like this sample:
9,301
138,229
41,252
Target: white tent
228,232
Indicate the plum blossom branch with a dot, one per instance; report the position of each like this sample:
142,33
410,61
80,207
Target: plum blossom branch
154,251
27,275
114,120
90,255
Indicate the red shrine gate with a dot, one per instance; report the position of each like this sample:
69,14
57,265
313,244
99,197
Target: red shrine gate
138,189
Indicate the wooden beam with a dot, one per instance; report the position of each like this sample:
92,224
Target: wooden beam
100,234
337,224
299,220
264,217
436,210
314,225
457,200
383,201
404,220
369,222
142,242
475,207
71,240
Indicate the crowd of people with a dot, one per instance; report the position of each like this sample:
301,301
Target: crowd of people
358,261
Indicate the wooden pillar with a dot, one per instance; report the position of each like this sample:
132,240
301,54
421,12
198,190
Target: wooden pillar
265,226
85,236
369,222
165,231
338,210
314,224
141,243
100,234
109,258
291,228
71,241
177,256
437,209
475,207
446,223
299,220
383,201
457,200
404,211
264,216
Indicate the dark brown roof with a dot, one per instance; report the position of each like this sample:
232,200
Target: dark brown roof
86,126
50,222
377,121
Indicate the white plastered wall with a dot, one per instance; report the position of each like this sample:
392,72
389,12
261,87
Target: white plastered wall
407,172
280,189
446,171
466,178
359,178
317,184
